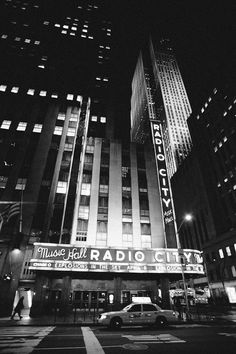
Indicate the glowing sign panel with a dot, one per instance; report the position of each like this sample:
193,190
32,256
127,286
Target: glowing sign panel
48,256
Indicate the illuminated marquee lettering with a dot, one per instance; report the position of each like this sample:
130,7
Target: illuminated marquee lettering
70,258
166,200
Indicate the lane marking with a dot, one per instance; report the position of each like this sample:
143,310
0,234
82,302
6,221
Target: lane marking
91,342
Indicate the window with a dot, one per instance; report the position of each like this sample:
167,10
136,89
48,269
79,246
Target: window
21,182
149,307
135,308
21,126
3,181
103,119
233,270
30,92
37,128
6,124
57,130
228,251
74,117
43,93
3,88
61,116
71,132
83,212
85,189
145,229
146,241
61,187
53,95
70,97
15,89
221,253
94,118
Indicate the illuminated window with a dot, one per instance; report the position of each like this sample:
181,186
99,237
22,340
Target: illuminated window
4,36
228,251
72,34
15,89
85,189
57,130
221,253
83,212
74,28
30,92
3,181
21,126
64,32
21,182
90,37
37,42
68,147
6,124
70,132
65,26
103,119
146,241
94,118
74,117
3,88
57,25
46,23
37,128
233,270
27,40
83,36
79,98
41,66
43,93
61,187
61,116
17,39
70,97
54,95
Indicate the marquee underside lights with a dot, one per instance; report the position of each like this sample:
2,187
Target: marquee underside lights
58,257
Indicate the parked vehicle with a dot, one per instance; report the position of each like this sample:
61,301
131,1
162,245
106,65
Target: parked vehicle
138,314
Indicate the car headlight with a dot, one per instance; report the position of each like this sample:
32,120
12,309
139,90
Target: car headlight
103,317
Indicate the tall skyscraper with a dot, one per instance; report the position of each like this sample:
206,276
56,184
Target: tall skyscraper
93,228
169,101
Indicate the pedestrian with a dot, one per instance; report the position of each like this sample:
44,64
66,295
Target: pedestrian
18,308
178,306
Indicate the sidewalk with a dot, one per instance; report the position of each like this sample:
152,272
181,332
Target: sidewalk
227,318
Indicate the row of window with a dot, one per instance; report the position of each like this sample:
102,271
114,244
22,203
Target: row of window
19,39
42,93
227,251
37,128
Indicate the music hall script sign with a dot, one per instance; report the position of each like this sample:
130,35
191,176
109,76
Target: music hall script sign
59,257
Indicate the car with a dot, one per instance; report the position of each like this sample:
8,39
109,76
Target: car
138,314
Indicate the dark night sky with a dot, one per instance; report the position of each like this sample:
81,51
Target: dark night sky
202,35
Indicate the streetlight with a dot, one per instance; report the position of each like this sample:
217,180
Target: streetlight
187,217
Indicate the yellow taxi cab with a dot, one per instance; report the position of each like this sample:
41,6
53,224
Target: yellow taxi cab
140,312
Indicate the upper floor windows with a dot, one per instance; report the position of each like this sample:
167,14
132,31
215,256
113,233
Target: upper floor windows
6,124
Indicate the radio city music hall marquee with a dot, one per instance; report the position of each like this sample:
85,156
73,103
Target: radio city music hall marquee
59,257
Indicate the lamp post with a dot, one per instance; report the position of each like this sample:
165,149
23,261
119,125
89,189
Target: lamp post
187,217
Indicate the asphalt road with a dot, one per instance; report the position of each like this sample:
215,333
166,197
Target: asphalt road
99,340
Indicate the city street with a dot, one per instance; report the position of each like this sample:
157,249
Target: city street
89,340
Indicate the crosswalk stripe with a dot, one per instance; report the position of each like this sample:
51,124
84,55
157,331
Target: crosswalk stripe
91,343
